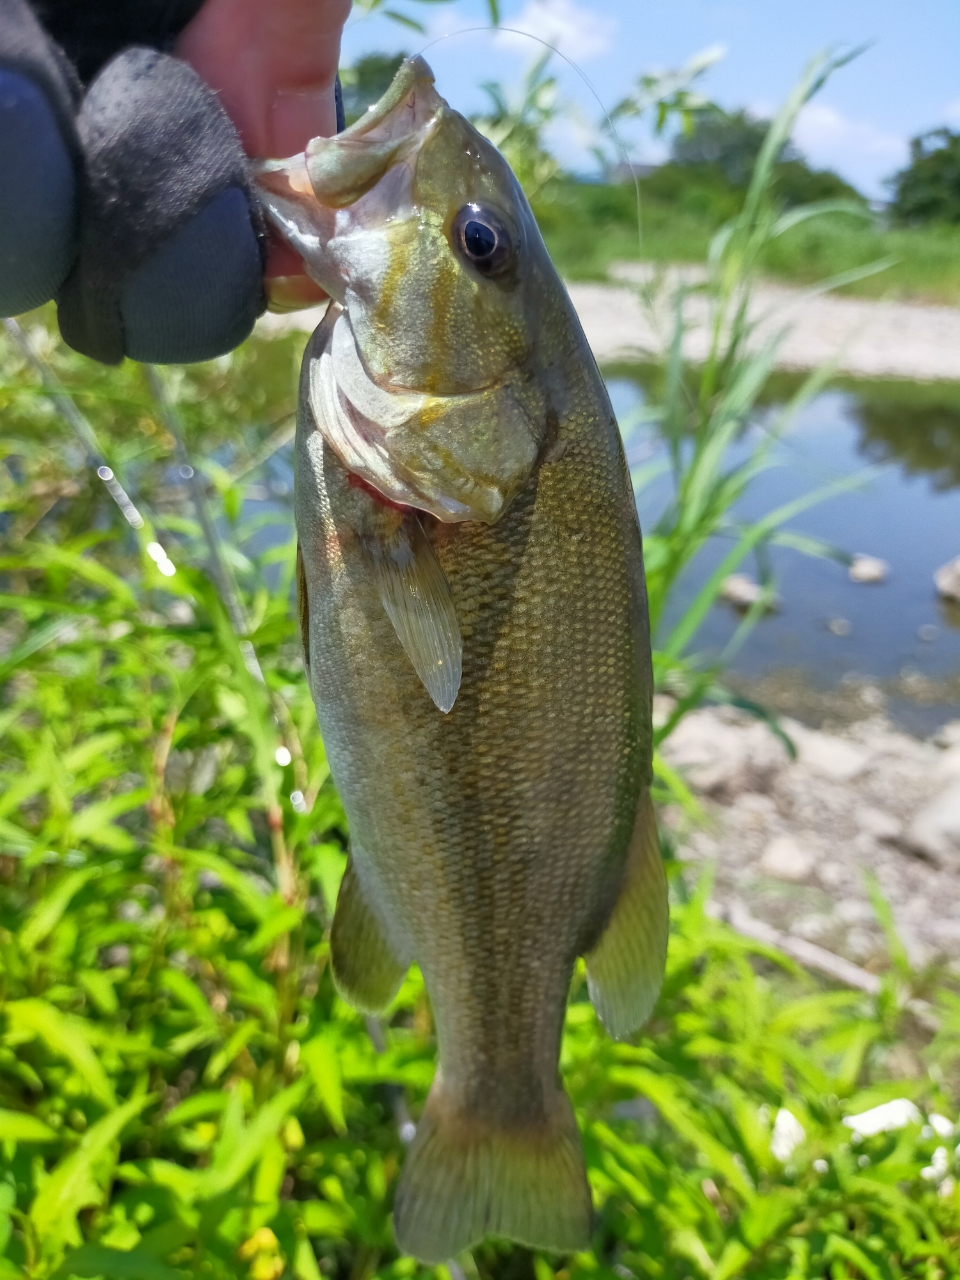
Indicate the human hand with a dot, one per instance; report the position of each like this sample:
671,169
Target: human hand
133,203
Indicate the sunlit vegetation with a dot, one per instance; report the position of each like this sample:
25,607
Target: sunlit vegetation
182,1093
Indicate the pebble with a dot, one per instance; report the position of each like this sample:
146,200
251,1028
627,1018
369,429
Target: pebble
947,580
868,569
839,626
854,912
830,757
934,832
793,839
785,858
743,593
877,823
722,757
814,928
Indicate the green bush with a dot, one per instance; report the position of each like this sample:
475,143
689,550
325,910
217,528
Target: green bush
928,189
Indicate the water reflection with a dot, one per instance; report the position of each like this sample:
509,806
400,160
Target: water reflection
898,634
916,426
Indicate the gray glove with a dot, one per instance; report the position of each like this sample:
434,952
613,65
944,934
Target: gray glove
132,204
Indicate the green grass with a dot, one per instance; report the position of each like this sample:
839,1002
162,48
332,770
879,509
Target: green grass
589,226
182,1092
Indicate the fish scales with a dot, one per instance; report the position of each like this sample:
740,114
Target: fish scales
482,683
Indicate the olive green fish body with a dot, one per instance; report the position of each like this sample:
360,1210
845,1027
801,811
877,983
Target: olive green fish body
483,688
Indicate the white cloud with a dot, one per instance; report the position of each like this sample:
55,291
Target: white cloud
860,151
575,31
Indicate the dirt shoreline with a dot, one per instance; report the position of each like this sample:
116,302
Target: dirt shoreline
864,337
795,842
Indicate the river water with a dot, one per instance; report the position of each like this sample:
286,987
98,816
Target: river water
897,637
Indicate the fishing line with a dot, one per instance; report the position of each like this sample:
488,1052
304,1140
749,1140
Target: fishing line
621,147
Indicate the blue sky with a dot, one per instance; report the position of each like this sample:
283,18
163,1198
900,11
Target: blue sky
908,79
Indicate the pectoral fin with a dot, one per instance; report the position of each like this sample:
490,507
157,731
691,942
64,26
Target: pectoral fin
625,968
416,596
365,969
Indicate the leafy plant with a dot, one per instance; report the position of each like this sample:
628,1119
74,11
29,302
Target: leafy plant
182,1093
516,123
705,410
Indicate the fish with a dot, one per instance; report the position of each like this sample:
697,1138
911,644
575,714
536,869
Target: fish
475,634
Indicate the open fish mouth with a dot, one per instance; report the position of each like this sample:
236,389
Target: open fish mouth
306,196
416,449
418,377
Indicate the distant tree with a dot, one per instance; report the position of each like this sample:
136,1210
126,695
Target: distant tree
366,81
717,154
928,189
796,183
729,140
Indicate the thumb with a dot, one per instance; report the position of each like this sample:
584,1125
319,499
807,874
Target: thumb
273,67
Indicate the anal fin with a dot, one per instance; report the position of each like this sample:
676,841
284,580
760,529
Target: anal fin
365,969
625,968
416,596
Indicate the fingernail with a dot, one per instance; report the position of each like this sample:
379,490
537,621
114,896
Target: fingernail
292,293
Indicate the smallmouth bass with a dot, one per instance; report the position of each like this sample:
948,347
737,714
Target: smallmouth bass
475,634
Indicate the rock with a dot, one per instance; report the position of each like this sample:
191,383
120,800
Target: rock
743,593
948,735
839,626
853,912
934,832
877,823
785,858
718,756
663,707
788,1133
868,569
827,756
861,945
181,614
831,874
752,810
813,928
888,1115
947,580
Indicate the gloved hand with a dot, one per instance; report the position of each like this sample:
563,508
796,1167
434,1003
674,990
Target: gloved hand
132,203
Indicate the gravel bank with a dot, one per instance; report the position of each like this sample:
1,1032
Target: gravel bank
794,841
866,338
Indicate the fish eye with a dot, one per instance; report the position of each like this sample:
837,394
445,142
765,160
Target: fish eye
482,238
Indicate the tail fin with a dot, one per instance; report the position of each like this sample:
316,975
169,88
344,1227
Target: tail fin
464,1179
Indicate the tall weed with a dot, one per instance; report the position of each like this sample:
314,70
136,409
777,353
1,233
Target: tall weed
182,1093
